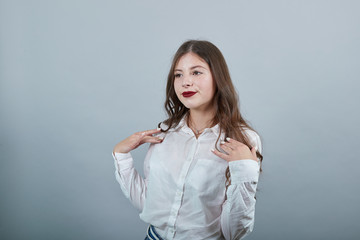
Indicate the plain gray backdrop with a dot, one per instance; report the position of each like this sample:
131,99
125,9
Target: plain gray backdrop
77,76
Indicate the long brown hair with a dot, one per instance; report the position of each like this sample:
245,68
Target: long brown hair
225,100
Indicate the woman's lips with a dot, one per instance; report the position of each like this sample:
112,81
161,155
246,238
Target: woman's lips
188,94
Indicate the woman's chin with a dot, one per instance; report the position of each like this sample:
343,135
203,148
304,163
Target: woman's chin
190,106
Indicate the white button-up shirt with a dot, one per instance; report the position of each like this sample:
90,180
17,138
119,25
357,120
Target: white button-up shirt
183,194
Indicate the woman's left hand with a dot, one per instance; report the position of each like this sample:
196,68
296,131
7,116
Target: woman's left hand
235,150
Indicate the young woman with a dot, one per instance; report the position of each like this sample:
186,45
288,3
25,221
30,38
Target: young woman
203,163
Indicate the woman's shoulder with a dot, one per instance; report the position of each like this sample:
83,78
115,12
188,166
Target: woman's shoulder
174,126
250,132
165,130
253,137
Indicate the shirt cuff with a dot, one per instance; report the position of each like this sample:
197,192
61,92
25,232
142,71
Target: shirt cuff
244,171
123,160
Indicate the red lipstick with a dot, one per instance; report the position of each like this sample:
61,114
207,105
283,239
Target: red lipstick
188,94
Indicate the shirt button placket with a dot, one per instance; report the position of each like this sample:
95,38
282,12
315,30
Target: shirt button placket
179,193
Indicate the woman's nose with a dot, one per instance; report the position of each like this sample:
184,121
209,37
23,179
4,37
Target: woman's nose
187,81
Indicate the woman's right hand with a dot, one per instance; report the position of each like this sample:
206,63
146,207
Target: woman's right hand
136,140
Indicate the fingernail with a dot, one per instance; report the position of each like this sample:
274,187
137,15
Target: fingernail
158,129
222,142
161,138
227,139
213,150
256,148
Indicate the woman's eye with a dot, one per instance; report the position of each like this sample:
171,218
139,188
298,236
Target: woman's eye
196,73
177,75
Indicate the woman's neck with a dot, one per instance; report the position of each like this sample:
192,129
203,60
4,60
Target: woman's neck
199,120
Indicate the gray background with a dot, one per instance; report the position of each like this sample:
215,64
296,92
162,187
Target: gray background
79,76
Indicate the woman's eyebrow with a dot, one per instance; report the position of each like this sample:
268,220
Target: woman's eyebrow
191,68
197,67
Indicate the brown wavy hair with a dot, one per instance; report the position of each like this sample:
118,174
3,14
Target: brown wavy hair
225,99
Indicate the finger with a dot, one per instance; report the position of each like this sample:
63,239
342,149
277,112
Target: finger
226,148
233,143
151,132
220,154
223,143
150,139
253,151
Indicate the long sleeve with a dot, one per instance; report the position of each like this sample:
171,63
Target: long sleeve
238,211
131,182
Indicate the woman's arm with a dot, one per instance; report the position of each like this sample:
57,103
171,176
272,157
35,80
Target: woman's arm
131,183
238,211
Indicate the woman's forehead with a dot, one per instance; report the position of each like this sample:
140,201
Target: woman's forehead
189,60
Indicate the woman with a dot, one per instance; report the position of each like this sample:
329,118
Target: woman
203,164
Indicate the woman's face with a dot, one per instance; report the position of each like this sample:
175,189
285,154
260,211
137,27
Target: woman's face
193,82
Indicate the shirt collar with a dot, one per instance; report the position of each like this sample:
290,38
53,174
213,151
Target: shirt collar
182,126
